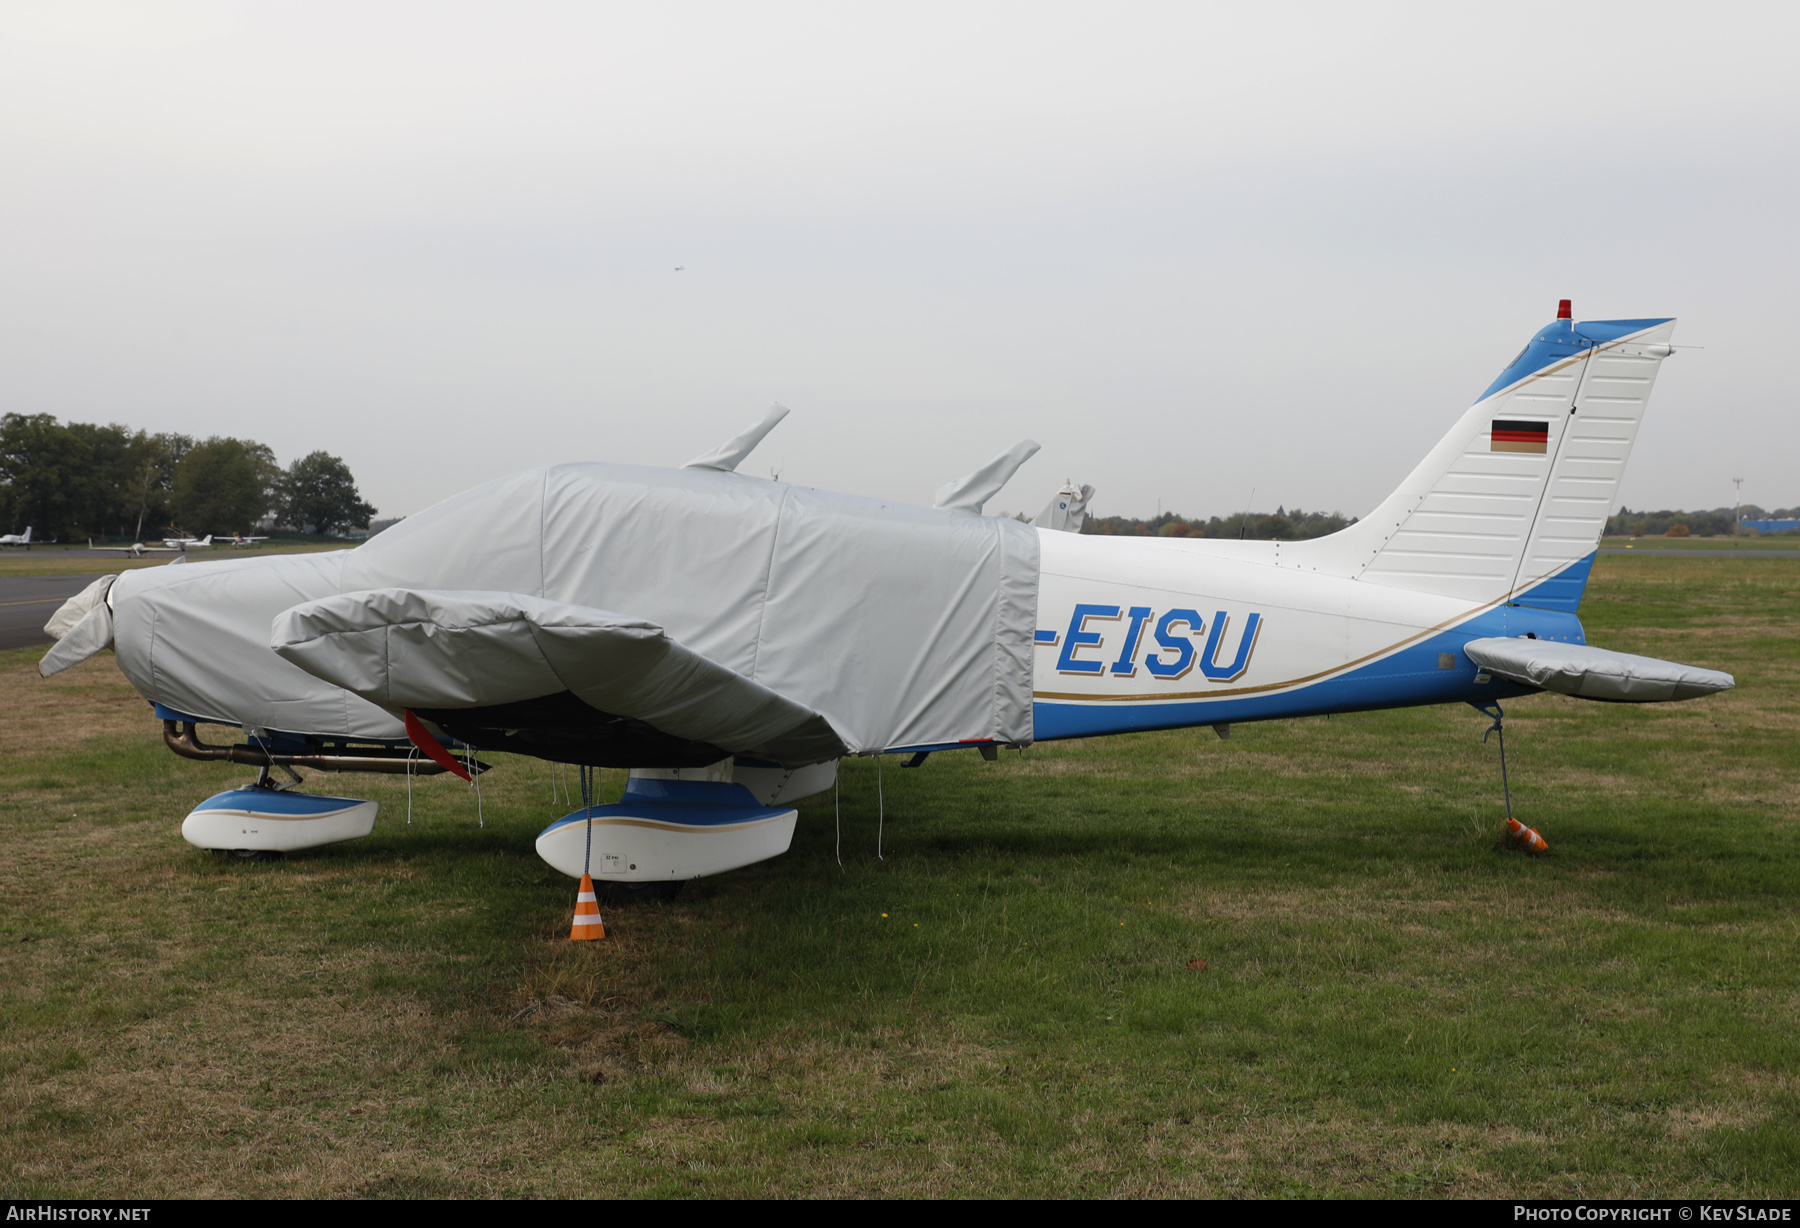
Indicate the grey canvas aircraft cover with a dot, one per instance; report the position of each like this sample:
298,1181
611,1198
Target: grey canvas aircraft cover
1594,673
897,625
81,626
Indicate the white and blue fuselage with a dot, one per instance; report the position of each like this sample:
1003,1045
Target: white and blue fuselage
1154,633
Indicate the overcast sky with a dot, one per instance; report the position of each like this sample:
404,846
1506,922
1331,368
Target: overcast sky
1190,249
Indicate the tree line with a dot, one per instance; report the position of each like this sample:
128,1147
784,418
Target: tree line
1281,525
78,479
1719,522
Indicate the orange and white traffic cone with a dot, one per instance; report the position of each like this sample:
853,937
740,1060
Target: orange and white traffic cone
1525,837
588,926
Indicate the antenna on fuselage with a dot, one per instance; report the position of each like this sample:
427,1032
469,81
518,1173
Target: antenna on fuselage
1244,520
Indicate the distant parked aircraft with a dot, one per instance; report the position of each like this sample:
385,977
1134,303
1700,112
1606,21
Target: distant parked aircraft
171,545
17,539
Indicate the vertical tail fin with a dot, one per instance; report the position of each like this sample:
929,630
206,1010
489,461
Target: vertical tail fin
1511,503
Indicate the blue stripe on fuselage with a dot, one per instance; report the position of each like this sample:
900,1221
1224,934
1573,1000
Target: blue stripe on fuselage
1404,679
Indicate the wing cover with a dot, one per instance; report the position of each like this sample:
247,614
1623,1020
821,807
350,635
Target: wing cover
1594,673
446,651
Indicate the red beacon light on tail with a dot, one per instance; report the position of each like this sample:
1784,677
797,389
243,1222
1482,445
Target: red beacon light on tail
1565,309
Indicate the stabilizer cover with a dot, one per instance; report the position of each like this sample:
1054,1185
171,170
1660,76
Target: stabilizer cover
1587,672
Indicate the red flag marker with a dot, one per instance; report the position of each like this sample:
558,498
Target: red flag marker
434,749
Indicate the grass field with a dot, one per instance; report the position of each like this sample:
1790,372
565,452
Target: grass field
1290,963
1752,545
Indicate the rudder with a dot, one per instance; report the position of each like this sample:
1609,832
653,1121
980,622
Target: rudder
1511,503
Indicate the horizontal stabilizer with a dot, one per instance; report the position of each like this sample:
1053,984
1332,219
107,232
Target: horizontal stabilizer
1587,672
437,653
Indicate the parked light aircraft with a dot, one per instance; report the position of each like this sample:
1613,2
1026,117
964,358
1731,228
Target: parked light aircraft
17,539
729,639
138,550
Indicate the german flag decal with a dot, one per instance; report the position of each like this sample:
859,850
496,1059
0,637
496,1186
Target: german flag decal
1513,436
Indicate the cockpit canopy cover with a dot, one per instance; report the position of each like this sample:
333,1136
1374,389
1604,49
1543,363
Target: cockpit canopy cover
899,625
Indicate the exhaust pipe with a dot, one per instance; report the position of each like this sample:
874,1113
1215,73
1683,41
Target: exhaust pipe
183,738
